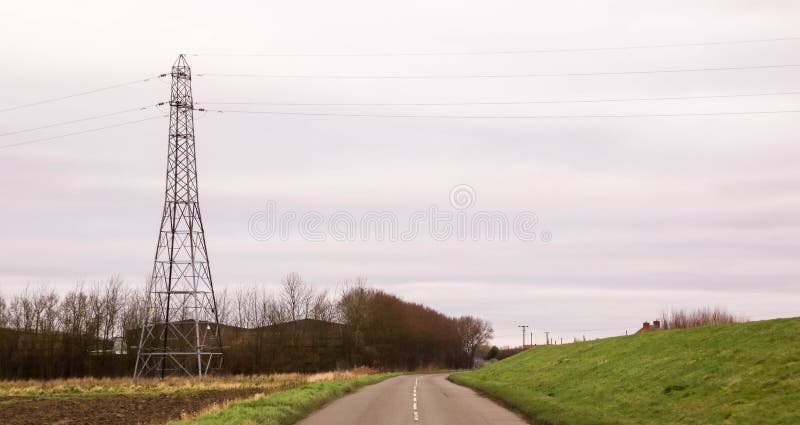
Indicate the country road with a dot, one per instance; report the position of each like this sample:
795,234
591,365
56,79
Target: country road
413,400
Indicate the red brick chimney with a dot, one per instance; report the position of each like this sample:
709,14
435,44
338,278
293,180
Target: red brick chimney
657,324
646,326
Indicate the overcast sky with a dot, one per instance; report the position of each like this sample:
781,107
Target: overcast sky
645,213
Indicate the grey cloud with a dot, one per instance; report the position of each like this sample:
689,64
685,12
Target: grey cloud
698,208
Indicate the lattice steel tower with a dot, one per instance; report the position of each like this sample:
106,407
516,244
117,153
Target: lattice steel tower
180,330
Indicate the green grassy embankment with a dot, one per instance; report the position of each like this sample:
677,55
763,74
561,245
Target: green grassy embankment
286,407
745,373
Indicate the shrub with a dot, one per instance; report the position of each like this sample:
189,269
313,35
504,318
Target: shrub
677,319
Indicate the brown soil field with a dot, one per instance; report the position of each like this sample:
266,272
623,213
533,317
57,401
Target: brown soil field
113,409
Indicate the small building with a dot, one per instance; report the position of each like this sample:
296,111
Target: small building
647,327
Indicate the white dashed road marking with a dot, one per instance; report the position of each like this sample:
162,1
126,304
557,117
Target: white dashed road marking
414,403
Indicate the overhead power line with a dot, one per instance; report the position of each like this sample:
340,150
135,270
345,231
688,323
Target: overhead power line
510,102
69,96
569,116
507,52
75,133
94,117
503,76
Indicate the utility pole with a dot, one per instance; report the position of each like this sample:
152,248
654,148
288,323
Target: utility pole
523,333
547,337
532,339
180,328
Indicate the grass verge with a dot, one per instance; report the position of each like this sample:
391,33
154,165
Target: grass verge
746,373
286,407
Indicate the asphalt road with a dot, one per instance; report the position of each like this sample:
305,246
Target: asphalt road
413,400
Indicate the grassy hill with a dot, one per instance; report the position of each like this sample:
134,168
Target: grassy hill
746,373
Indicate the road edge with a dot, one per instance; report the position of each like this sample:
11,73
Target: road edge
282,407
522,414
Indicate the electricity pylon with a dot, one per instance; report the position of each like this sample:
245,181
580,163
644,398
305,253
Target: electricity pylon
180,329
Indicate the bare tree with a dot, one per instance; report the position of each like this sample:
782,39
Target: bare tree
322,308
245,307
223,299
74,311
473,332
355,308
274,312
354,300
132,310
269,311
3,313
22,315
112,296
249,307
45,303
382,329
94,320
295,297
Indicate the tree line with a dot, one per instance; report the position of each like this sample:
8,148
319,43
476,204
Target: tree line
46,334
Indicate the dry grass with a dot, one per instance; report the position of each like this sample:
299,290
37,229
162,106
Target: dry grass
681,319
297,381
106,386
215,407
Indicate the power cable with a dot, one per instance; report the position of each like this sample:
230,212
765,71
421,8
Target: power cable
506,52
504,76
91,130
69,96
94,117
364,115
524,102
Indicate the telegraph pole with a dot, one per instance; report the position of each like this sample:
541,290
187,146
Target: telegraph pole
180,329
523,333
547,337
